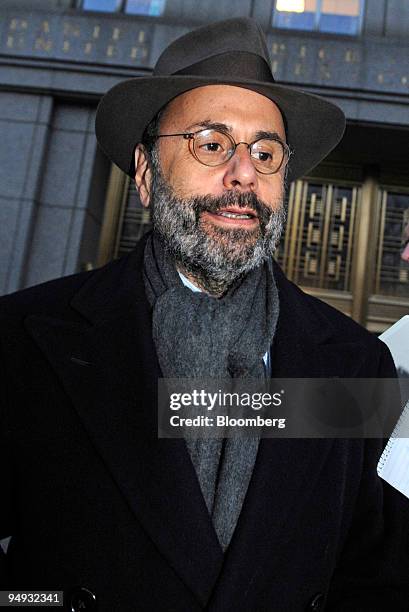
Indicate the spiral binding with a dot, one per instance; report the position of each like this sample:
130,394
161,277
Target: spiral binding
388,448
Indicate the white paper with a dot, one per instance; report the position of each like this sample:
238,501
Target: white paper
393,466
397,339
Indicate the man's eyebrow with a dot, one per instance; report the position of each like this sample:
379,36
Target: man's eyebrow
268,135
213,125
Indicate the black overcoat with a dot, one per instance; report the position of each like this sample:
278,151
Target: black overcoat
97,505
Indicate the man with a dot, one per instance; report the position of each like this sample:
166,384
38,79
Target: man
98,506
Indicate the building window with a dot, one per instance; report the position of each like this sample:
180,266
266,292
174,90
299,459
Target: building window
154,8
105,6
334,16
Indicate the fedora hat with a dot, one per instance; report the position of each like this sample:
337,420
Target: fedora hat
231,52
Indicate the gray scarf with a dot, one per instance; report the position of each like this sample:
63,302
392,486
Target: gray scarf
199,336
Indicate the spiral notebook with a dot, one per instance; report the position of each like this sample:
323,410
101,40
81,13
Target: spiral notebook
393,465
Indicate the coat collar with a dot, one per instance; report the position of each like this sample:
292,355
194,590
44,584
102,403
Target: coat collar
109,369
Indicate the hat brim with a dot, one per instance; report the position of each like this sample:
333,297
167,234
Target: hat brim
314,125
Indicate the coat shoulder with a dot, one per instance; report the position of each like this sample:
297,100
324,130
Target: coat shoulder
311,310
345,327
324,324
52,297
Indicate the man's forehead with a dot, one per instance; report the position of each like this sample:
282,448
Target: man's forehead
226,105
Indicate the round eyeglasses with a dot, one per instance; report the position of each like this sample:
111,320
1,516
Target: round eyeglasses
214,148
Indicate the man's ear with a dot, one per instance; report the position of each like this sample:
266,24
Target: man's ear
143,175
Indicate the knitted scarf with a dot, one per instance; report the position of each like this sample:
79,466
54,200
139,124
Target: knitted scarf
200,336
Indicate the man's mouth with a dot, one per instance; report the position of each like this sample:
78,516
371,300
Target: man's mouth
231,215
235,213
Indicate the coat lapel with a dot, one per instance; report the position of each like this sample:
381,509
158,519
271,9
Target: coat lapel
286,470
109,370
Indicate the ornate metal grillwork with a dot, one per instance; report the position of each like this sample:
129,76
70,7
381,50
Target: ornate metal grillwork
317,249
392,274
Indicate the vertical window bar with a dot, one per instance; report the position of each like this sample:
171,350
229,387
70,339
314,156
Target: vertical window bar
317,15
361,16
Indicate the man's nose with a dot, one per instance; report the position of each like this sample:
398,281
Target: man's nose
240,171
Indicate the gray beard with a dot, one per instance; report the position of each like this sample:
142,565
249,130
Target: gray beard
214,257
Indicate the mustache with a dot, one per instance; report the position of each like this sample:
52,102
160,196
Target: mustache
213,204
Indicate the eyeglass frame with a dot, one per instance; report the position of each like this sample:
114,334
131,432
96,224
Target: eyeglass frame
191,137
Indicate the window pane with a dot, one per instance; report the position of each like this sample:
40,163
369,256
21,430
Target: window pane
340,17
105,6
339,24
145,7
350,8
295,14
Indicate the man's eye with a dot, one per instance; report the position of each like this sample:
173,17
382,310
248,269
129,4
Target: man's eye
211,147
263,156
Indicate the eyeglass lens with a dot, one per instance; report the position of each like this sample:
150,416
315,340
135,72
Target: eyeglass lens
213,148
